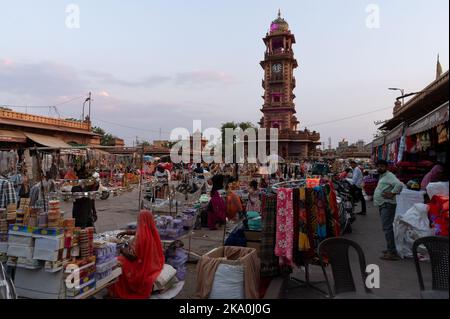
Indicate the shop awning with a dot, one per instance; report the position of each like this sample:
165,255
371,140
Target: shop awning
432,119
12,136
47,140
394,134
377,142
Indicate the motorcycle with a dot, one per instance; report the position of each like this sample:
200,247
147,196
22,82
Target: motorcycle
345,201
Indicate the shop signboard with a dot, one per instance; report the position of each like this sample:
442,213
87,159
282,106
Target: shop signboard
432,119
395,134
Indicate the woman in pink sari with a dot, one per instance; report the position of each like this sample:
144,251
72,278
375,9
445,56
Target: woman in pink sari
436,174
216,207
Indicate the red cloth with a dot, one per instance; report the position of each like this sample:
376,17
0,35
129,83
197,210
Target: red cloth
438,215
139,275
334,210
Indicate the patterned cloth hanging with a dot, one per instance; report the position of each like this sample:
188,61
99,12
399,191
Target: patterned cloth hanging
269,262
285,227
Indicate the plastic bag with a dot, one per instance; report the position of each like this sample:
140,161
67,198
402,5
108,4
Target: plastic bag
409,227
228,282
439,188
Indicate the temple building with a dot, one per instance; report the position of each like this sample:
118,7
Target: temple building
279,83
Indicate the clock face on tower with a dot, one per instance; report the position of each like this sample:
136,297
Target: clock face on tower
277,68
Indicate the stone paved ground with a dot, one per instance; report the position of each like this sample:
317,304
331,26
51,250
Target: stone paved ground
398,279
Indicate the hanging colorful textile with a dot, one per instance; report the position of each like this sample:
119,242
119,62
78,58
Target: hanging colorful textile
303,240
285,227
269,262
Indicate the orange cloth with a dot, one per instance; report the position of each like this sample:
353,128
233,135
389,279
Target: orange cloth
234,205
139,275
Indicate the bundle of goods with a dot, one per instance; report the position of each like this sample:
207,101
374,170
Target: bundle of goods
188,217
106,262
233,272
177,257
169,227
166,279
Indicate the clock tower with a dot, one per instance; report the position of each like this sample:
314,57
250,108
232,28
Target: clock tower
279,83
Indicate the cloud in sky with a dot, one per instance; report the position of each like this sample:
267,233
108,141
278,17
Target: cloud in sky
48,83
190,79
42,79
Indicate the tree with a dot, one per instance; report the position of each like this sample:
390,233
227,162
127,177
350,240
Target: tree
242,125
142,143
106,138
98,130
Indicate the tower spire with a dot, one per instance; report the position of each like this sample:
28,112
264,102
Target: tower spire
438,68
279,13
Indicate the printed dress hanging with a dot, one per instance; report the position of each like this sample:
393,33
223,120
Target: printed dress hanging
285,227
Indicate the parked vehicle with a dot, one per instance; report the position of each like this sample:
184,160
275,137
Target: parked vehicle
7,289
346,205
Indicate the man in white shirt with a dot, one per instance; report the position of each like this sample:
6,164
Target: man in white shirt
357,181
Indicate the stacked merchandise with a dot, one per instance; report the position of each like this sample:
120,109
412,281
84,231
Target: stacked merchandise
54,214
169,227
11,213
82,274
106,263
23,213
21,248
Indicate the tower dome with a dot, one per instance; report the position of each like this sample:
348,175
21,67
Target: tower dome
279,24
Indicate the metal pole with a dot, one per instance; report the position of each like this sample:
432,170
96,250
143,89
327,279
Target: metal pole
140,178
89,106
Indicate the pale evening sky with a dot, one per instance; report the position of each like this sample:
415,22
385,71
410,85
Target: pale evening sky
161,64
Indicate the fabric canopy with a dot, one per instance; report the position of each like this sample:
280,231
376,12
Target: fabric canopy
12,136
47,140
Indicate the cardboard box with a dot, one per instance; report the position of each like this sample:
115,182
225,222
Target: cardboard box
48,231
51,243
37,283
256,245
27,241
20,251
47,255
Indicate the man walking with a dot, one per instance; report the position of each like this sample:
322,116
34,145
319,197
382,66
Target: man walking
384,198
357,181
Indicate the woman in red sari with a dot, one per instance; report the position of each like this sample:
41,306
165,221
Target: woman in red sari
141,263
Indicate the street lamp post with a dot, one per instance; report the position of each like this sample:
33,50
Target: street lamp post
402,91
